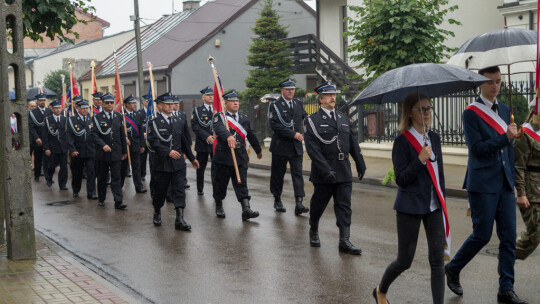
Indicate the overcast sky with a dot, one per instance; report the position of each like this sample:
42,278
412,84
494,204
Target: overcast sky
117,12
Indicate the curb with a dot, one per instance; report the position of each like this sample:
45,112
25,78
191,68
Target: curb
460,193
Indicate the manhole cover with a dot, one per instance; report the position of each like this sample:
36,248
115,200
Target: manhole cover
60,203
492,251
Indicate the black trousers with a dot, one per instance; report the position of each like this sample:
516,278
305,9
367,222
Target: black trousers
202,157
54,161
176,181
135,170
152,177
143,160
40,160
116,185
78,164
223,174
341,192
408,226
277,173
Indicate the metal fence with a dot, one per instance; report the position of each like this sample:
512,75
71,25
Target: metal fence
379,123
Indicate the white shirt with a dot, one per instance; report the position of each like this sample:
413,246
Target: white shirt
328,112
42,109
109,114
234,116
420,137
166,117
289,102
56,118
208,107
488,102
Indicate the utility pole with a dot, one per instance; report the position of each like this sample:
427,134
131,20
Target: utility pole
139,50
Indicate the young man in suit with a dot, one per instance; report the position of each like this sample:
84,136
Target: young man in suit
489,181
36,124
55,145
286,116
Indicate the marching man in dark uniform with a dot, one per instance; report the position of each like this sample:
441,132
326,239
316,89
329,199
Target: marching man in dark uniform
236,137
111,149
177,113
55,145
82,149
36,124
136,142
96,99
144,153
330,143
166,137
286,116
201,124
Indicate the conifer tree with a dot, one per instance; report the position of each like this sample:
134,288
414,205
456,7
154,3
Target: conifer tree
269,54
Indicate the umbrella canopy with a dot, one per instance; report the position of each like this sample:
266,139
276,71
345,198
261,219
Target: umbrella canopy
430,79
501,47
33,92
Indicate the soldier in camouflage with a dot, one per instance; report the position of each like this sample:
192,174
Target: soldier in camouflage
527,163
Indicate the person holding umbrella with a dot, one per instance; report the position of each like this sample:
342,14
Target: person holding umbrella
418,167
489,181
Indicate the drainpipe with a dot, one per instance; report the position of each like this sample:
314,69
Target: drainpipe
29,66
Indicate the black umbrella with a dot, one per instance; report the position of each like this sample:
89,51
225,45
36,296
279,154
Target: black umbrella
430,79
33,92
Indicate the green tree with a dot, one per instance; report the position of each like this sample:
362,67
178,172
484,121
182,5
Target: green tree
269,54
388,34
54,18
53,81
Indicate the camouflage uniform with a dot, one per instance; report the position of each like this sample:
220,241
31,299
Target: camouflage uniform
527,163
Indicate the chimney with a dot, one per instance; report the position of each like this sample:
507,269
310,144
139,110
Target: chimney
191,4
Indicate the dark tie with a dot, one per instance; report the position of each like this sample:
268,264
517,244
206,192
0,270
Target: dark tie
332,115
170,119
290,105
495,107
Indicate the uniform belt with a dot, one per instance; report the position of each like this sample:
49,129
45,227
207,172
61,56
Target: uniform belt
338,156
240,145
535,169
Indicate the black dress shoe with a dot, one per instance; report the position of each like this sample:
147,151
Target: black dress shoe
63,188
157,219
509,297
452,280
143,179
200,192
75,194
299,209
141,191
187,186
220,213
119,206
278,205
345,246
36,179
314,240
180,223
100,203
49,184
92,197
375,296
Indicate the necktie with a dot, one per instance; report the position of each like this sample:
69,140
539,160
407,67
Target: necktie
332,115
57,119
170,119
495,107
290,105
210,107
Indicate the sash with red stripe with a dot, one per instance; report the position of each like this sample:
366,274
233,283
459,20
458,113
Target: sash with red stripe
96,110
236,126
489,116
527,128
132,124
435,180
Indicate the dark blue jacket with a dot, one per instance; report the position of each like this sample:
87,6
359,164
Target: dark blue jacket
412,177
491,156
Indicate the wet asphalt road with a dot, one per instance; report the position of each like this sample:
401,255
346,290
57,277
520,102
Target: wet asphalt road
266,260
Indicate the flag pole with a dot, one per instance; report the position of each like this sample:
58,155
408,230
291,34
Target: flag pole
63,94
71,87
92,65
121,99
153,89
211,61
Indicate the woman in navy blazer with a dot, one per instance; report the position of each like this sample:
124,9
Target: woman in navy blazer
417,200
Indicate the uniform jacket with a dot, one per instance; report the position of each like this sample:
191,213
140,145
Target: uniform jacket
491,156
412,176
222,154
54,135
325,157
36,122
142,114
527,162
201,124
111,133
283,142
164,137
136,140
80,137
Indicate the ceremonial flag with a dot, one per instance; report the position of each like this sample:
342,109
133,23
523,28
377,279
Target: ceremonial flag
217,101
118,94
150,107
95,84
537,60
13,124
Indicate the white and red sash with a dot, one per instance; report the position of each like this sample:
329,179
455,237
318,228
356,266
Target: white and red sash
434,175
527,128
236,126
489,116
